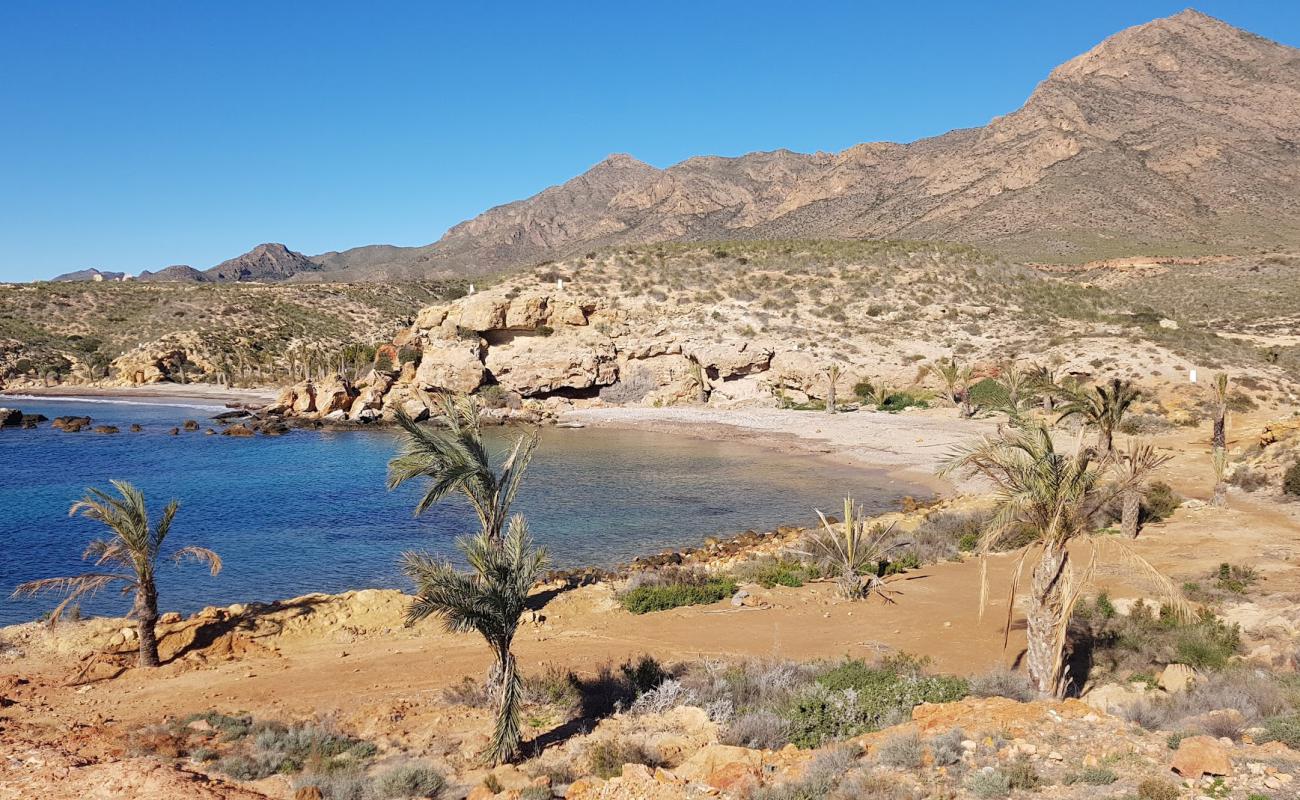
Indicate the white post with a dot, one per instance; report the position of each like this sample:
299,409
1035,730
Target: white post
559,283
471,288
1192,375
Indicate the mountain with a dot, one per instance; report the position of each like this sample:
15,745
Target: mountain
91,274
266,262
176,272
1180,135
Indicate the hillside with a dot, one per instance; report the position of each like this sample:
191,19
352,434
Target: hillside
1174,137
75,330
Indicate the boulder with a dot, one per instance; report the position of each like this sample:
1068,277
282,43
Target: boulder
450,365
527,312
70,423
539,365
1115,698
237,430
304,397
1201,755
106,429
482,312
731,358
663,379
1177,678
430,317
334,394
10,417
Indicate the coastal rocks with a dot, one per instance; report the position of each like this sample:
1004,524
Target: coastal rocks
731,358
71,424
536,365
304,397
450,365
190,425
335,395
238,430
106,429
10,418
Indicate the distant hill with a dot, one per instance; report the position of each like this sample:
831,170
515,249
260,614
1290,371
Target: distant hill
266,263
177,272
1177,137
89,275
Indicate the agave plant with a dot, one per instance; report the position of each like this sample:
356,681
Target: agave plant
490,599
1102,408
851,551
1056,497
1134,466
129,558
455,459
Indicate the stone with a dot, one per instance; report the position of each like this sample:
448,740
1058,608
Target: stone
10,417
1177,678
170,618
731,358
482,312
304,398
1201,755
722,766
1114,698
334,394
527,312
308,793
70,423
430,317
238,430
509,778
106,429
453,365
540,365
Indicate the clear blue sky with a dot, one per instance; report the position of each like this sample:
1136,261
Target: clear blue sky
141,134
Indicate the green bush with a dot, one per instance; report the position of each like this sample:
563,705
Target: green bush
1093,776
898,401
777,572
1284,729
1148,637
863,390
904,562
1159,502
661,597
854,697
408,780
1291,480
989,393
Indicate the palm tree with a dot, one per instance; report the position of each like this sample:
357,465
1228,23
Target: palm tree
1057,498
456,460
956,382
851,551
1102,408
490,600
1219,438
832,377
1134,466
133,549
1017,381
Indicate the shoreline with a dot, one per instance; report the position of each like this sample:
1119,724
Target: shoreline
907,447
157,393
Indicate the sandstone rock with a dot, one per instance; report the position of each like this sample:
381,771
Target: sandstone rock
1114,698
70,423
237,430
304,398
723,766
526,312
106,429
731,358
451,366
1177,678
430,317
538,365
334,394
1201,755
482,312
308,793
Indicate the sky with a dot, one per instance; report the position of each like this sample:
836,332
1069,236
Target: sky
135,135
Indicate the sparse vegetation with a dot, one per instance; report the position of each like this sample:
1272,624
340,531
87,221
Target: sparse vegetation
676,588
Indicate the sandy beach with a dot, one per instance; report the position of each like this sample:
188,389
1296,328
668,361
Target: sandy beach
153,393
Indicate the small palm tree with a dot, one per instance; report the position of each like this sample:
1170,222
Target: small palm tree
1219,438
133,549
490,599
852,551
956,382
1056,497
832,378
1017,382
456,460
1134,466
1102,408
699,381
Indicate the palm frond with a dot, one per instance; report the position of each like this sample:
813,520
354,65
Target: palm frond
201,554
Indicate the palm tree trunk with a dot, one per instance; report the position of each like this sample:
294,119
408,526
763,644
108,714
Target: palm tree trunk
830,398
1046,617
1105,441
1220,437
1132,511
146,611
505,738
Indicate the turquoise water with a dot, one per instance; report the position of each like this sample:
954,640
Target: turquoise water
308,511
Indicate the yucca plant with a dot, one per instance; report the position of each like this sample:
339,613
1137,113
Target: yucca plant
956,383
130,557
851,551
1056,497
455,459
1102,408
489,599
1134,466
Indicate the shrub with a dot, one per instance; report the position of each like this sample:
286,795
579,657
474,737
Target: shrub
663,596
759,730
902,750
897,401
348,785
1147,637
821,778
556,687
988,783
1021,774
1093,776
1003,683
1157,789
1284,729
607,757
409,780
1159,502
1291,480
776,572
946,749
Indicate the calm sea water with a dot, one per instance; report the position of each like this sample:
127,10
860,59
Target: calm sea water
308,511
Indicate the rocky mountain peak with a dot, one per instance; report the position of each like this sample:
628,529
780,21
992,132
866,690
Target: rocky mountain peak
271,261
